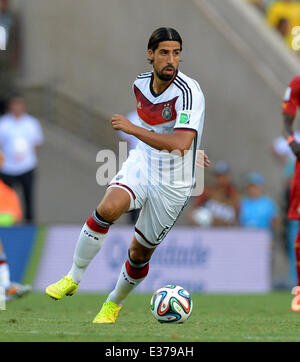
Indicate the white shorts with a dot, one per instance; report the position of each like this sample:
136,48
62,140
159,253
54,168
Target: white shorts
158,211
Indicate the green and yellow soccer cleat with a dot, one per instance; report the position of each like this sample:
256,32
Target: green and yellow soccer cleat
108,313
63,287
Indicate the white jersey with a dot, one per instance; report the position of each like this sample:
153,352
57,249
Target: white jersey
179,107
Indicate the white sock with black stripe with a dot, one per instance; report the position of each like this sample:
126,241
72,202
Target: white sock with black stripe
131,276
89,243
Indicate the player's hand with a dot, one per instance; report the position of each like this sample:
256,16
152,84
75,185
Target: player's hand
202,159
2,159
295,147
121,123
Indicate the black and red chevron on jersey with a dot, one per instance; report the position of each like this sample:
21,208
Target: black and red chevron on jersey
153,113
181,107
160,112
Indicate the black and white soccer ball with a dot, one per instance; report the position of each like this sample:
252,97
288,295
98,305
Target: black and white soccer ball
171,304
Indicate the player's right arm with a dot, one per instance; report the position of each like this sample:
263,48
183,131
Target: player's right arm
289,110
177,141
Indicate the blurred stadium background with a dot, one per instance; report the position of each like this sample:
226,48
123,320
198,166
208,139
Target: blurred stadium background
79,60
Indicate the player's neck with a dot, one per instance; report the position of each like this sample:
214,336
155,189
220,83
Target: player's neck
159,86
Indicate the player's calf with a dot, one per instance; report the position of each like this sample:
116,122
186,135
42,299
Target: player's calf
89,243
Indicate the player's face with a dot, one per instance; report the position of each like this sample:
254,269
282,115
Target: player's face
165,59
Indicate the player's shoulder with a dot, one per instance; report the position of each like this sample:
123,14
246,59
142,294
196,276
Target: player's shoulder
188,82
142,77
295,82
191,91
142,81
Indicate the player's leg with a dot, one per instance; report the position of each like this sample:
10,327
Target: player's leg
293,214
12,290
133,272
163,213
118,199
4,269
115,202
295,307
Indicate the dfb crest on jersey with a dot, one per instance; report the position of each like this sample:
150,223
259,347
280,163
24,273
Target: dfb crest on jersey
167,113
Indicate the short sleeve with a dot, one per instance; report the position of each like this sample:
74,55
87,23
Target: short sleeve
190,117
291,98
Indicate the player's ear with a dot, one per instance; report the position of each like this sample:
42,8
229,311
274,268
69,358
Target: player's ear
150,55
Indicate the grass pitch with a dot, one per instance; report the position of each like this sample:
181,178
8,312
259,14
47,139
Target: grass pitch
218,318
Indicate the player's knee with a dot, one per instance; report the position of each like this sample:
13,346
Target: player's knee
113,205
109,211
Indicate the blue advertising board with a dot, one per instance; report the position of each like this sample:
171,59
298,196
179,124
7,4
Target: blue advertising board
18,243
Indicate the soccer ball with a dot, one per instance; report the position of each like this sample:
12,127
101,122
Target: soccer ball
171,304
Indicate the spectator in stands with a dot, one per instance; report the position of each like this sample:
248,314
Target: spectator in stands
10,58
10,213
256,209
283,27
20,137
284,16
218,204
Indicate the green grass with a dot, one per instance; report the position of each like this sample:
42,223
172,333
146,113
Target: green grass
214,318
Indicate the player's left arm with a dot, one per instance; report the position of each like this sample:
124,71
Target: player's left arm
179,141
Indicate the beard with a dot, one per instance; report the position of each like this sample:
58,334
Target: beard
163,76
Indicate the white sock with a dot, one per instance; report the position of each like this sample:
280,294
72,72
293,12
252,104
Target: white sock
4,275
89,243
126,283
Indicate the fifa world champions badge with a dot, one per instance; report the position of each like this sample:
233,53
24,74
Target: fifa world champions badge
184,118
2,38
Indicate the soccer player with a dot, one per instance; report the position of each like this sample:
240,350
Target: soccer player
171,108
290,104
